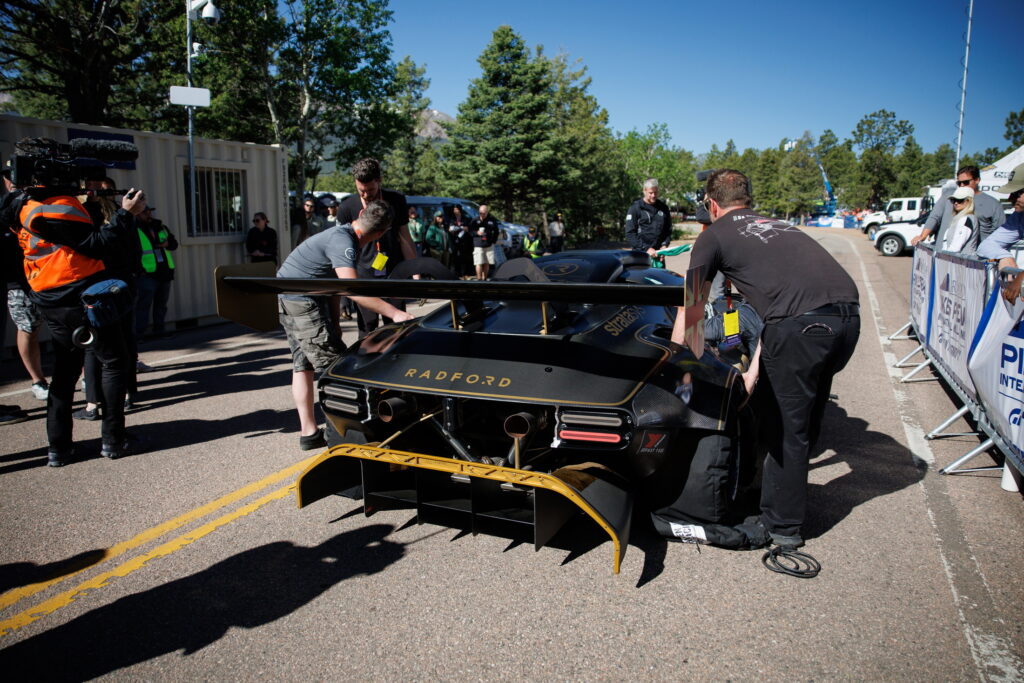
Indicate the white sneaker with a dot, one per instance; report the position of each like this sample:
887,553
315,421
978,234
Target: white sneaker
142,367
40,391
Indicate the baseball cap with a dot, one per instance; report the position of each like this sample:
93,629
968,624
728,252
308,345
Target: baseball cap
1016,180
962,193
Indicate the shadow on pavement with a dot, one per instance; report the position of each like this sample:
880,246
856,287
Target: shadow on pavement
247,590
19,574
878,464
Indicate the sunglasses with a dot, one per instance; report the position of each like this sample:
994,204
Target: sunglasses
959,201
964,183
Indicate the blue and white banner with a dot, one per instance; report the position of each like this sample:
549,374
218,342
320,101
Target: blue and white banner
958,300
921,285
997,366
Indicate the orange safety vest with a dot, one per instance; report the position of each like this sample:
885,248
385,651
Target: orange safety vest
49,265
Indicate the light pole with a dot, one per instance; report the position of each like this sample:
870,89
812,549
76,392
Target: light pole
195,9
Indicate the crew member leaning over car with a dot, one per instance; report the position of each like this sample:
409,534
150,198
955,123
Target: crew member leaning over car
648,222
809,305
308,322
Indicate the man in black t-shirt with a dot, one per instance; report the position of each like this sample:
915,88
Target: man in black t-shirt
393,248
810,308
485,235
648,222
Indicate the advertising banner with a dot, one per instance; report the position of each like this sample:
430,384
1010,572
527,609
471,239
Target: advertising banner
921,284
997,367
958,300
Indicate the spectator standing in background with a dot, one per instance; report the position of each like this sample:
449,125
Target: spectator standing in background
461,244
435,239
556,234
330,205
157,243
485,235
23,312
310,224
997,245
962,235
533,245
988,211
416,230
648,222
261,242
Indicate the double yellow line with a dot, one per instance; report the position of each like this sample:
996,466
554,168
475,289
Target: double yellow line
67,597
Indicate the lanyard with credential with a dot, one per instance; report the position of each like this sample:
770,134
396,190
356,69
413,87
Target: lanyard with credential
730,321
381,259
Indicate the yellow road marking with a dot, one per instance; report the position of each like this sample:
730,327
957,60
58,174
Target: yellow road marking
67,597
14,595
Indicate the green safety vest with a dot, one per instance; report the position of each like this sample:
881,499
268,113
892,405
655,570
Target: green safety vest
534,248
149,252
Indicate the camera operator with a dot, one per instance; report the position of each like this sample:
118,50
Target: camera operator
64,256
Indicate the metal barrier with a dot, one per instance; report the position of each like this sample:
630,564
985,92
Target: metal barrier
952,299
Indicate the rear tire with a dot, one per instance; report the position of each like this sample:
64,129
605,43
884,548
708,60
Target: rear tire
891,245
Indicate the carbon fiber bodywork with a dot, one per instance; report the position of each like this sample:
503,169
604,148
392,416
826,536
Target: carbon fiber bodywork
521,403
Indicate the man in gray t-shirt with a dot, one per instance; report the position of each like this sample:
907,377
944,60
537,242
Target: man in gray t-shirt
311,329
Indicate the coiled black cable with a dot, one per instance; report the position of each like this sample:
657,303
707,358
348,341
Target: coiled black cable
792,562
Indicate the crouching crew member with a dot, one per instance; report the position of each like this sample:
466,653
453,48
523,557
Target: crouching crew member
308,322
809,305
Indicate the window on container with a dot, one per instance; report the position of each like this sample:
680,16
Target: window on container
221,204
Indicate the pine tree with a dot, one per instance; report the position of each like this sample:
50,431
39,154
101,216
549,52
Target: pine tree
502,143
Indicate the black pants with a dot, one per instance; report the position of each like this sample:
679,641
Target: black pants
94,369
110,351
799,357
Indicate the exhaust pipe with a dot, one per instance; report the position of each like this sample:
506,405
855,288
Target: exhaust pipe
522,425
394,408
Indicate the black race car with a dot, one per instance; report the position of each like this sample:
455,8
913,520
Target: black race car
552,390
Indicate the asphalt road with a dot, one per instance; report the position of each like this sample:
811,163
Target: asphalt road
191,562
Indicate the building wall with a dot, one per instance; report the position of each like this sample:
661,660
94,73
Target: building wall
160,172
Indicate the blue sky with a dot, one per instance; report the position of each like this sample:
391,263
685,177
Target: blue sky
756,72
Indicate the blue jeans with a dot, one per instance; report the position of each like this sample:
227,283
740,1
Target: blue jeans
153,295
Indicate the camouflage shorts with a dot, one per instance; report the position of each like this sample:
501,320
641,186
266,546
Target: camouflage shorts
314,341
23,312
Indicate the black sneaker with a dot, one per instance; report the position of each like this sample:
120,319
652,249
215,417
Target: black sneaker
113,451
317,440
791,542
57,458
87,414
129,402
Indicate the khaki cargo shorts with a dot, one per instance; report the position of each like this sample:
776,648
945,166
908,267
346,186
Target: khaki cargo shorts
314,341
483,256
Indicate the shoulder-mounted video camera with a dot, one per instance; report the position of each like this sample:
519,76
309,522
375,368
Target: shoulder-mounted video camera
60,167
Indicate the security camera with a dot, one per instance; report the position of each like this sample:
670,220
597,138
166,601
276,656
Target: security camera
211,15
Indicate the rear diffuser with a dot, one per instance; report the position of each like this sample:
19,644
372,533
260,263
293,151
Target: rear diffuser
473,496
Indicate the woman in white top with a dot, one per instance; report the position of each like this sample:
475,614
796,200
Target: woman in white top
962,234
